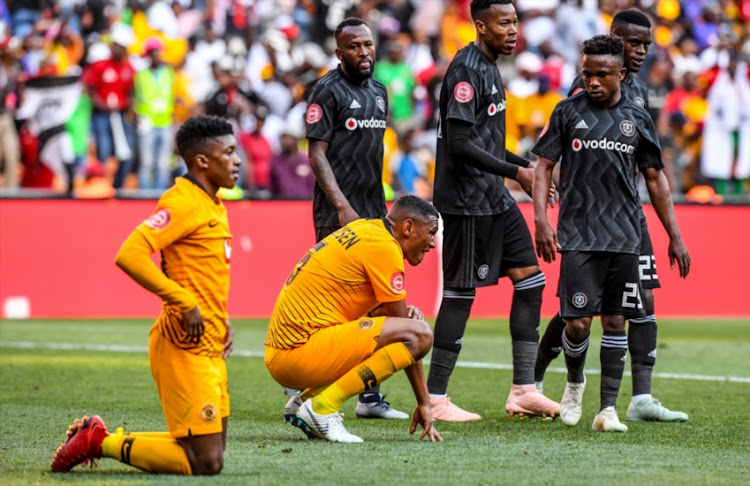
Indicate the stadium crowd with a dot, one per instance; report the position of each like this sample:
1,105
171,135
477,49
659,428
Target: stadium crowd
92,90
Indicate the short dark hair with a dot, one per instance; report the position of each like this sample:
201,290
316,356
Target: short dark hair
603,45
628,17
348,22
415,206
196,131
479,6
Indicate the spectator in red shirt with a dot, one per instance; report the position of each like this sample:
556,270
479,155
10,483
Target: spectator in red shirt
109,82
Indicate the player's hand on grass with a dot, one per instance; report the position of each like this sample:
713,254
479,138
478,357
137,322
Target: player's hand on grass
193,321
678,253
546,242
228,341
347,215
423,416
415,313
525,177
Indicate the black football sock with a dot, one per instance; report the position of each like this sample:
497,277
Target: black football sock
612,356
575,356
550,346
642,347
524,326
449,333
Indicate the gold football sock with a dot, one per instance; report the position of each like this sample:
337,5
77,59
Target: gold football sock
159,455
372,371
152,435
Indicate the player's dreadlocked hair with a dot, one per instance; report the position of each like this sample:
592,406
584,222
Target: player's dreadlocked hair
633,17
197,130
479,6
603,45
348,22
416,206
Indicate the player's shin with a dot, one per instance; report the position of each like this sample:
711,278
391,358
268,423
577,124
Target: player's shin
642,347
550,346
612,356
449,331
524,326
575,356
372,371
159,455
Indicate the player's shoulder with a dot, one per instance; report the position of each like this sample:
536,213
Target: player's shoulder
183,196
576,102
637,110
327,81
377,85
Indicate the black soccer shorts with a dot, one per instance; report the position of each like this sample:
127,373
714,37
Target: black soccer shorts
477,250
647,260
599,283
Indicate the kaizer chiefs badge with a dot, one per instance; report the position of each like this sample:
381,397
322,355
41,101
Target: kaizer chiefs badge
366,324
209,413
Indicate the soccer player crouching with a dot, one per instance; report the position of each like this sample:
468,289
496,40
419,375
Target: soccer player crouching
341,325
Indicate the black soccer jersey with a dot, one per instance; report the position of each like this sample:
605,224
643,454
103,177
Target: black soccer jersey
632,88
351,118
600,151
472,92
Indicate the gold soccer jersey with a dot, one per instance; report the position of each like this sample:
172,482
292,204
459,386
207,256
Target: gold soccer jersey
192,233
341,279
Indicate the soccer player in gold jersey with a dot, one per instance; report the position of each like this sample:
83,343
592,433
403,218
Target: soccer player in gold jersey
341,325
192,336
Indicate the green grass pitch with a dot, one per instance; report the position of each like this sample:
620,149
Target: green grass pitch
52,371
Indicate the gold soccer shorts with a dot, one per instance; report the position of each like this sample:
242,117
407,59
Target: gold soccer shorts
192,388
326,356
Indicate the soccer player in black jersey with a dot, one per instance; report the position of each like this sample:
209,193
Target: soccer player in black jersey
634,29
485,235
345,120
602,139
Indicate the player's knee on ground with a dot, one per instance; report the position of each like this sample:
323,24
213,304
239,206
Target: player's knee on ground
207,463
613,323
420,341
648,301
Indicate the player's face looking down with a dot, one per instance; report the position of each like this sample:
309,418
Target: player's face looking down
636,40
497,29
420,238
223,162
601,76
356,51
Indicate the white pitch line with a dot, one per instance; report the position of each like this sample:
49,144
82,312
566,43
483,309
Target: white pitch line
259,354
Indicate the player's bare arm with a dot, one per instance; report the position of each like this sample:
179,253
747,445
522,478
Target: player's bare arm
399,327
545,235
661,199
228,341
321,167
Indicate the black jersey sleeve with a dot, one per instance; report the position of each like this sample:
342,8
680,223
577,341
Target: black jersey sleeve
463,85
320,115
648,153
461,145
550,143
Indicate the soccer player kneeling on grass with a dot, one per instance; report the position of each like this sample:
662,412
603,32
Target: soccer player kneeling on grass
192,337
341,325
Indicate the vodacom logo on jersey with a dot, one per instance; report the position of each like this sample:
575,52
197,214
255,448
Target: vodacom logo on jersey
372,122
602,144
